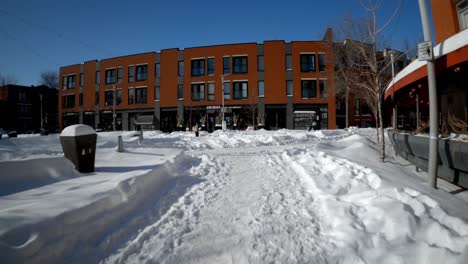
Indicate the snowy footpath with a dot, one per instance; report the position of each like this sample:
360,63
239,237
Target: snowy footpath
235,197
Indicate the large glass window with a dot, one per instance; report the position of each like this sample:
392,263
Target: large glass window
131,73
289,88
226,65
64,82
110,76
211,66
240,64
198,67
180,68
198,91
308,89
180,91
261,88
109,97
307,62
70,101
322,62
141,73
288,62
157,93
240,90
158,70
260,64
323,88
98,77
71,81
227,90
119,75
211,91
131,96
140,95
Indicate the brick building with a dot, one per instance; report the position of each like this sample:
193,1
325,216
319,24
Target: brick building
264,84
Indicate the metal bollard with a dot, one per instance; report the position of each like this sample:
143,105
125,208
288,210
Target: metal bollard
140,137
120,144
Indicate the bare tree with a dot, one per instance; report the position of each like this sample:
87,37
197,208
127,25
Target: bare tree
363,67
49,79
7,79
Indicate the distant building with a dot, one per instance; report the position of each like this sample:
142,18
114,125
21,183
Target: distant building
20,108
174,89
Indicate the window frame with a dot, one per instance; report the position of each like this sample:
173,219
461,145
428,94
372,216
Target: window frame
238,90
260,63
108,97
211,70
131,96
197,67
211,91
308,64
131,73
199,90
144,95
261,88
180,68
288,62
226,65
119,75
110,76
289,88
157,70
322,67
323,90
157,93
227,87
313,88
141,76
97,77
240,64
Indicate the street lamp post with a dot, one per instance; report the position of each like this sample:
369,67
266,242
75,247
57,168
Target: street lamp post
433,111
395,118
113,107
42,120
223,120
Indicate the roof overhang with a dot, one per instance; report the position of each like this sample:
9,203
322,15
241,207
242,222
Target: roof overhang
450,52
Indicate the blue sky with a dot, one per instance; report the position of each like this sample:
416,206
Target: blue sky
36,36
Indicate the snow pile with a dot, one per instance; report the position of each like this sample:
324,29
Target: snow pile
227,197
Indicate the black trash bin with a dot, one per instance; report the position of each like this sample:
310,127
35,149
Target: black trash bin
79,146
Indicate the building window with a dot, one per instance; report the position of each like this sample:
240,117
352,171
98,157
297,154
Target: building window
240,90
227,90
198,92
226,65
71,82
289,88
96,98
322,62
308,89
211,91
98,77
211,66
198,67
70,101
323,88
462,8
239,64
261,88
140,95
141,72
180,91
81,79
110,76
131,96
357,106
131,73
156,93
180,68
64,82
260,64
288,62
158,71
109,97
64,101
119,97
307,62
80,99
119,75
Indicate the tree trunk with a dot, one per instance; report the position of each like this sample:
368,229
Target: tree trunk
382,134
347,107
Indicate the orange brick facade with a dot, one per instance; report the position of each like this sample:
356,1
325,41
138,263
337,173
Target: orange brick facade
177,98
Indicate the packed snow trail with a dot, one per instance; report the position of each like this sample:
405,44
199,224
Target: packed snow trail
296,205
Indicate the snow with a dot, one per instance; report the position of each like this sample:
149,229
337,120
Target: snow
227,197
77,130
